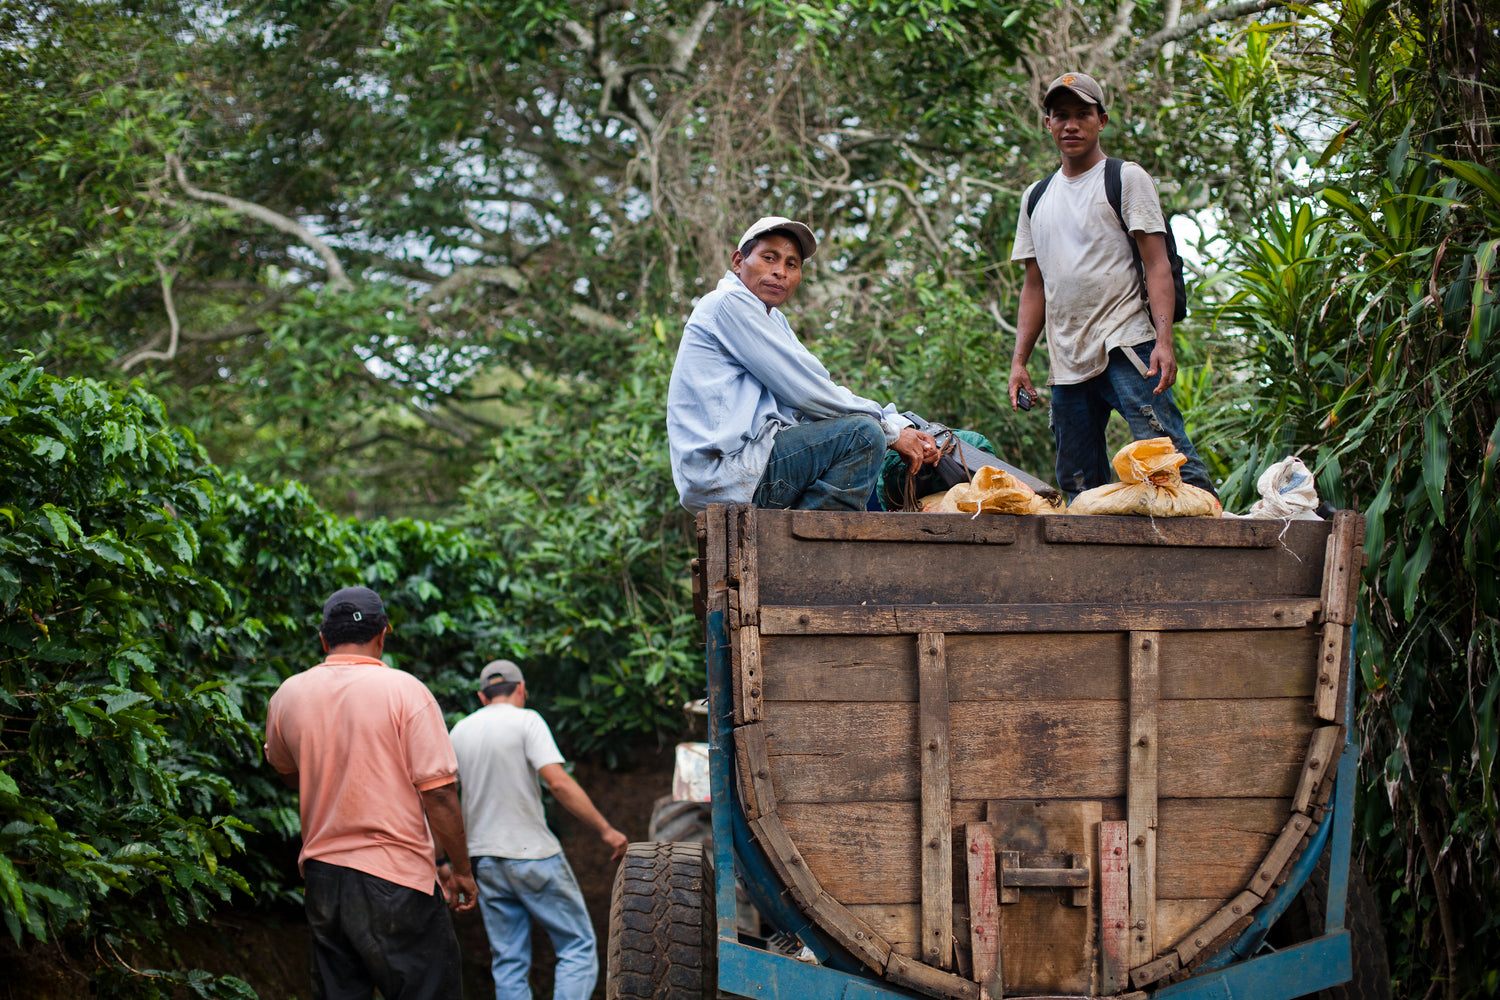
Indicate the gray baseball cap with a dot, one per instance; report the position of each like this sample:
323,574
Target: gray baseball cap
500,672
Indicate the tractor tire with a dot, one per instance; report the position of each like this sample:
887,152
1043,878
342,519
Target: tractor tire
662,934
1371,972
682,823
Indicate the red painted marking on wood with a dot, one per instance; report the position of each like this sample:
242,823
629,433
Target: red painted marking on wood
1114,908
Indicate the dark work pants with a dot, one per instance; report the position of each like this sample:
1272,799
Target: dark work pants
370,934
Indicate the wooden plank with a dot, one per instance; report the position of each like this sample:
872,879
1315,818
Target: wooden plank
1321,762
757,794
1177,918
1343,561
1281,853
749,574
908,972
1066,665
937,793
1203,664
1175,531
984,916
1210,848
1204,939
831,752
1114,908
851,932
796,572
1046,941
1332,663
1014,874
891,619
1149,973
1141,795
837,526
785,857
864,853
747,665
715,556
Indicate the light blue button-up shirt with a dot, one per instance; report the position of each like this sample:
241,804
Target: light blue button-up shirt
742,375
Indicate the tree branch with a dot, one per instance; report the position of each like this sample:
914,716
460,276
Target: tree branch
1225,12
174,335
337,280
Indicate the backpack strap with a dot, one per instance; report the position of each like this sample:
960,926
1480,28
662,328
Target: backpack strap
1113,188
1037,191
1113,191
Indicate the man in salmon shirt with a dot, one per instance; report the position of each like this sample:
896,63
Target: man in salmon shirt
367,749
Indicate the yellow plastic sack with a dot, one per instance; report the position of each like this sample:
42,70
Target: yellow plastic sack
992,491
1151,485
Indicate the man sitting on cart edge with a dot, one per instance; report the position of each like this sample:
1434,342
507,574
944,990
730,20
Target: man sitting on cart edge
753,416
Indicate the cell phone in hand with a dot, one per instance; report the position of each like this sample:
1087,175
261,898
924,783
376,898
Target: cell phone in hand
1025,399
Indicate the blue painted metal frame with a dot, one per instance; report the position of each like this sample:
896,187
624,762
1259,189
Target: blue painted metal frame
1236,973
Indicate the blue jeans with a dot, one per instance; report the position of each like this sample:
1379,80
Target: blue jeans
512,893
1081,412
823,465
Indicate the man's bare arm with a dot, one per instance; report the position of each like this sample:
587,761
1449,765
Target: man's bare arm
446,819
576,801
1158,267
1029,321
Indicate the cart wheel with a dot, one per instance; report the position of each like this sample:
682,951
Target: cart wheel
662,935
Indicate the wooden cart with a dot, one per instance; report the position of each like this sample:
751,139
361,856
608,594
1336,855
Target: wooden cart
977,757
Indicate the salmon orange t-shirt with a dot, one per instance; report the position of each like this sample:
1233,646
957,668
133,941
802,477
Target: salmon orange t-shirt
365,740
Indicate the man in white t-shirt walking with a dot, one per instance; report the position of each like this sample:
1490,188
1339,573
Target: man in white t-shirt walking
1107,351
502,749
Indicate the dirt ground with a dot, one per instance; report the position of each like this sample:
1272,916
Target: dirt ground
268,949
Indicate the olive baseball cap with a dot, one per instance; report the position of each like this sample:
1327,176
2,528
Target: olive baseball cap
1080,84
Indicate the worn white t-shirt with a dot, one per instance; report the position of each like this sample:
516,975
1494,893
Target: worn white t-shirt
1094,299
500,749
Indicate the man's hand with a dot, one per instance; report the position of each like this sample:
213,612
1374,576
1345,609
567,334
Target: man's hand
918,448
1020,379
616,842
1163,360
461,891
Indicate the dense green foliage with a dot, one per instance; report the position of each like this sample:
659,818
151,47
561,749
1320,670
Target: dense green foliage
432,257
1372,320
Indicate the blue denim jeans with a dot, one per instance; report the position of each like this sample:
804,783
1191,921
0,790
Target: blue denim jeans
823,465
512,893
1080,414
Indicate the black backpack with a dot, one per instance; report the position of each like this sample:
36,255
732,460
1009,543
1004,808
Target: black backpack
1112,167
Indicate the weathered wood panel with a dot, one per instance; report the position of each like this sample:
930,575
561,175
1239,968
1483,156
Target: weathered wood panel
937,796
1020,749
797,571
1046,936
1211,847
1142,792
1179,531
1114,909
1177,918
889,619
896,526
1071,665
866,853
984,915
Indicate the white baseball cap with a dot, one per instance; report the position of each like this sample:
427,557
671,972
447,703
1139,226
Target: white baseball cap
805,238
